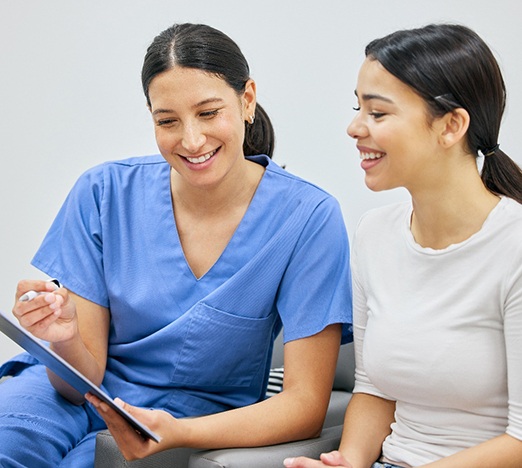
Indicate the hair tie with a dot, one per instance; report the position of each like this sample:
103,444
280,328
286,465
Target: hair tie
490,151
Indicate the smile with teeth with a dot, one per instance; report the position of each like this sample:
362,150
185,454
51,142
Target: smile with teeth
201,159
372,155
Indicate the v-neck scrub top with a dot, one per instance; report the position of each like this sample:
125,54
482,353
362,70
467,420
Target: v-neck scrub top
192,345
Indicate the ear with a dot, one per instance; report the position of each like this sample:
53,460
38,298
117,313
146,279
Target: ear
249,100
453,127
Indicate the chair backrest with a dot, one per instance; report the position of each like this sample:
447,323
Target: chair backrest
344,374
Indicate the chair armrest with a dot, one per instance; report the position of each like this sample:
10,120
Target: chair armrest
337,408
270,456
108,455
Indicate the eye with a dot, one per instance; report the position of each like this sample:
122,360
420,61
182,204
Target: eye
357,109
210,113
377,115
165,122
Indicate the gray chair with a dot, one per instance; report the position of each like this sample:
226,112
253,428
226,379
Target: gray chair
108,456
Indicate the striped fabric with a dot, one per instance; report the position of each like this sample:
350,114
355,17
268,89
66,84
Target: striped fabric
275,381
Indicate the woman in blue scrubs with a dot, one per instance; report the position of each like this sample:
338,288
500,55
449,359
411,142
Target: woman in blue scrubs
179,270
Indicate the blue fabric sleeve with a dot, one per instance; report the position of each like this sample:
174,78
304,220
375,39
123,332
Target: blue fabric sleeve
316,289
72,249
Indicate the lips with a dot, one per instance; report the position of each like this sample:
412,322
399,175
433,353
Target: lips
202,158
371,155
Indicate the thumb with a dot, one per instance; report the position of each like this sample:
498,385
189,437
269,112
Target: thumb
144,415
133,410
335,458
121,403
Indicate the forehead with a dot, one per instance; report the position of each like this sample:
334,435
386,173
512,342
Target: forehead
187,86
375,81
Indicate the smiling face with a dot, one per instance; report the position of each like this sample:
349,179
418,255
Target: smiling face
397,143
200,124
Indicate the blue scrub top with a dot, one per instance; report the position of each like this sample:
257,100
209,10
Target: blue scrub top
192,345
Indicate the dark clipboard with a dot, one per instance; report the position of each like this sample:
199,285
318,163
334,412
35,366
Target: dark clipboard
67,372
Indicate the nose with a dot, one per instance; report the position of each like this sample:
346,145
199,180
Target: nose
193,138
356,129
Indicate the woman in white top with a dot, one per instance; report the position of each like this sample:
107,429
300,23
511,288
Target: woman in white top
438,281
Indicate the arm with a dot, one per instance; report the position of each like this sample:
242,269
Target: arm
368,417
296,413
503,451
76,328
366,425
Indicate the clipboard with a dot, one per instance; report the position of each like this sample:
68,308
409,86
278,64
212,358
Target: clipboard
65,371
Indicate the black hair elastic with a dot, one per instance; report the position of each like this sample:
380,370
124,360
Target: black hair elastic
490,151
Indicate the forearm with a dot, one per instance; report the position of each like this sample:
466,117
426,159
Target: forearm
366,425
501,452
284,417
86,348
75,353
297,412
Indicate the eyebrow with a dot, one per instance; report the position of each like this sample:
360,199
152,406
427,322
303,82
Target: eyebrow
204,102
369,97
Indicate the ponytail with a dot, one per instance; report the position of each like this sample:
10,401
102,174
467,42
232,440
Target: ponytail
259,136
501,175
421,58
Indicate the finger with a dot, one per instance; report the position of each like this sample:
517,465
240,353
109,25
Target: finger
334,458
55,301
131,444
32,299
146,416
24,286
39,315
302,462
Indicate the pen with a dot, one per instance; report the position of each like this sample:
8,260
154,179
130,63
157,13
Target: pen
30,295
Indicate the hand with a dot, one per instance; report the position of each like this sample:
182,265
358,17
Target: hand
132,445
327,459
50,317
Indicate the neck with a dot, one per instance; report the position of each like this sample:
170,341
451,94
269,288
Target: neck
452,212
237,188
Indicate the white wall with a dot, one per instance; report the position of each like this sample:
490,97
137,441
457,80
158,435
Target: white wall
70,94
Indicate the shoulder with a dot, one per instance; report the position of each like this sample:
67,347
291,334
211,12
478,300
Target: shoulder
295,204
292,187
121,170
385,217
505,221
148,163
503,230
510,209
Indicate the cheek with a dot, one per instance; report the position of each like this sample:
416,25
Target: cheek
164,140
228,129
385,137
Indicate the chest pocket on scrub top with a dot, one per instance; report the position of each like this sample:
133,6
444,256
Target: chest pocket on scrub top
220,348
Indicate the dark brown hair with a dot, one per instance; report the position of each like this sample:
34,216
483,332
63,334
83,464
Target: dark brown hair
450,66
204,48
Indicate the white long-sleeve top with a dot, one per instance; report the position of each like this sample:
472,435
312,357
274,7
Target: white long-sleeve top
440,331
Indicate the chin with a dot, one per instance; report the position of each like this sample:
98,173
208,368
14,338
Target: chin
379,185
374,185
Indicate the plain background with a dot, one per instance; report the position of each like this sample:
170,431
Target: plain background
70,93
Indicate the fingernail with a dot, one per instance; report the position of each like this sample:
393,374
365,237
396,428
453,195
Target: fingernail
50,298
52,285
